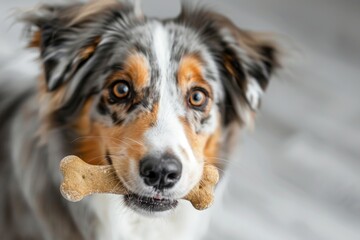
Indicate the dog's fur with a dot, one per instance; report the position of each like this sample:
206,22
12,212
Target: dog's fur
85,48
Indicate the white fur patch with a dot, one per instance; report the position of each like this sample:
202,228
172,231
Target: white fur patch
168,134
253,93
162,49
120,223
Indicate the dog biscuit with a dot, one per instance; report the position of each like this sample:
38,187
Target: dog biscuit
82,179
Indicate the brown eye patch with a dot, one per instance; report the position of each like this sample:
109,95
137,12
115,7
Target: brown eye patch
135,71
126,84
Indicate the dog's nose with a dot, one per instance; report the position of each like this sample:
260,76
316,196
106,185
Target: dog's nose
160,173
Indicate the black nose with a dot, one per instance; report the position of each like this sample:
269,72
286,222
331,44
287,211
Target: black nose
161,172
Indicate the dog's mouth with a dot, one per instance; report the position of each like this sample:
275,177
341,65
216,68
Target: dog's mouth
149,204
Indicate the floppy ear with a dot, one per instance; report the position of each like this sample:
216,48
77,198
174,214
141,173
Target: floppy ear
249,60
64,40
246,60
69,38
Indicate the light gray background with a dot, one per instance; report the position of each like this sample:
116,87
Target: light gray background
298,175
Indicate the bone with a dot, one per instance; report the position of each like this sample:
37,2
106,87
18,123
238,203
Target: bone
82,179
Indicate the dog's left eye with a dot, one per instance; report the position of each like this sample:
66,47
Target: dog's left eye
120,90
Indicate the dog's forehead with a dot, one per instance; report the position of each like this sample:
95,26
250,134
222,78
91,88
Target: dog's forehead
164,45
177,38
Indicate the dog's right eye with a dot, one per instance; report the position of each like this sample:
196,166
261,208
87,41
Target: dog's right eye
120,90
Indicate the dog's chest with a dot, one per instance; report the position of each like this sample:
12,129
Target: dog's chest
120,223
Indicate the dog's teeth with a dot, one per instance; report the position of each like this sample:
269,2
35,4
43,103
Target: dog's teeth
158,197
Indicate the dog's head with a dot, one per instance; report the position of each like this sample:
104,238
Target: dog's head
154,98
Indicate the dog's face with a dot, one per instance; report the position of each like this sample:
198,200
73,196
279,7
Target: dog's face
158,110
153,98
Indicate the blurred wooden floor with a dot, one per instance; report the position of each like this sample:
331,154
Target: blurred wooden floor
298,175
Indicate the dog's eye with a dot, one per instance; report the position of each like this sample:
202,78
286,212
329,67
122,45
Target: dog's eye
120,90
198,98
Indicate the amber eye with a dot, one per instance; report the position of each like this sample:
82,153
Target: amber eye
198,98
121,90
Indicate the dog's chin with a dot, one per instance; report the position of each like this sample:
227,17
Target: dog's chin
149,206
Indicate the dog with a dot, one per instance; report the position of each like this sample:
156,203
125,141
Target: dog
156,99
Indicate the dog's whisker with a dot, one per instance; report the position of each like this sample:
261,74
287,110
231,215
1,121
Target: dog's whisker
141,144
220,159
90,138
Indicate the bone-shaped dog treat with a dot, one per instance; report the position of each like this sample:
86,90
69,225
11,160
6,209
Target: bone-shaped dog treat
82,179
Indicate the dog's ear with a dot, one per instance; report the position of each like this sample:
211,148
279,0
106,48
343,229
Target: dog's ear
246,60
63,38
249,60
74,52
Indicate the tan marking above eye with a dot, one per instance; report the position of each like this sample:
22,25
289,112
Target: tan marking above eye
190,71
137,67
